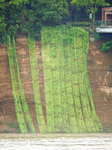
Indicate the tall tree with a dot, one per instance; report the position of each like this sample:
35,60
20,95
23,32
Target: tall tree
90,6
2,21
25,15
70,9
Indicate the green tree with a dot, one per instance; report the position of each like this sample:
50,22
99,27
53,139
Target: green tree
50,12
70,9
9,16
18,2
2,21
90,6
2,4
110,2
30,15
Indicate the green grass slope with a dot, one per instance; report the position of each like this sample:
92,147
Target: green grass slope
69,103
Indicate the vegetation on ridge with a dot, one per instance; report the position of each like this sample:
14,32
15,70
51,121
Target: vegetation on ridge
90,6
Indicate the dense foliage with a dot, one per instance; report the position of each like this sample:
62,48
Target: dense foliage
30,15
2,23
106,46
81,24
90,6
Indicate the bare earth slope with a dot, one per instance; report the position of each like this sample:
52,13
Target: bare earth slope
100,74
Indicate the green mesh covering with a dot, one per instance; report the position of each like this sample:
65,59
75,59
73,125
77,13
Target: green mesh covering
22,110
68,97
35,82
21,91
17,101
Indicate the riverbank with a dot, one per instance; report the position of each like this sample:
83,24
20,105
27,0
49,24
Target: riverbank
100,74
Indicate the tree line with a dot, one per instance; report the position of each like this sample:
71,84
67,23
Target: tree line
29,15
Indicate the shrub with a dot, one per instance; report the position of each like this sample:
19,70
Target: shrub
97,36
106,46
12,30
52,18
98,46
81,24
2,29
13,125
1,122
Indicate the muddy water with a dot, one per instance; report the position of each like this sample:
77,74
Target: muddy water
55,141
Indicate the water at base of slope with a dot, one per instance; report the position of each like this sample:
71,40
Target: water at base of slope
60,141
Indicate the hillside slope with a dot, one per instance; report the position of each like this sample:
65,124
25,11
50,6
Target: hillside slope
100,74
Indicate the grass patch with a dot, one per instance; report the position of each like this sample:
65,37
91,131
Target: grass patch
13,125
1,122
81,24
108,130
22,56
6,131
9,109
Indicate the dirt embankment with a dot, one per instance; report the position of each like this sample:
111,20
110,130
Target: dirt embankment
100,74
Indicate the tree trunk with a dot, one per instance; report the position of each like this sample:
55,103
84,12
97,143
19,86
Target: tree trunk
93,23
70,14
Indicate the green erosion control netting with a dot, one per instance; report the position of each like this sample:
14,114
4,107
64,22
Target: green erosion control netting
35,82
68,97
21,106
